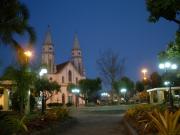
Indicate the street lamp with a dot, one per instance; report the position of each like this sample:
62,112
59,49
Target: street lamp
28,55
144,71
123,91
42,72
168,66
76,91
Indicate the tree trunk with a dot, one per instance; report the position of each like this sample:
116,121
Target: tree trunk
43,103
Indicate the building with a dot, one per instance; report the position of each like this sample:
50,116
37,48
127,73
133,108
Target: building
159,95
68,72
5,89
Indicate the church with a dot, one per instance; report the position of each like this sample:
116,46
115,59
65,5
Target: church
68,72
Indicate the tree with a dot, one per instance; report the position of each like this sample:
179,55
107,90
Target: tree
168,9
111,68
88,87
172,52
14,17
71,86
155,80
47,88
124,82
23,82
139,86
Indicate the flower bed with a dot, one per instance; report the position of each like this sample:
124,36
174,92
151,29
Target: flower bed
146,119
34,123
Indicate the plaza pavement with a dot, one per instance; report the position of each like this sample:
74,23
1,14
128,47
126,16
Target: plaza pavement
100,120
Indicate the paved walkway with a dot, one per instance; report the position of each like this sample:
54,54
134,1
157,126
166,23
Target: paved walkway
97,123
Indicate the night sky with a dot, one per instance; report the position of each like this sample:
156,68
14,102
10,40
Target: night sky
120,25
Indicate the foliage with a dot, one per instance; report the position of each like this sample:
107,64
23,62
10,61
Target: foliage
139,86
139,118
62,113
14,20
168,9
71,86
143,96
56,114
172,52
32,102
54,104
156,80
48,88
69,104
12,124
23,82
124,82
89,86
166,123
111,68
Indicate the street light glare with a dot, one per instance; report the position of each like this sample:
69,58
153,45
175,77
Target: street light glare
174,66
123,90
28,53
75,90
43,71
166,83
167,65
144,70
161,66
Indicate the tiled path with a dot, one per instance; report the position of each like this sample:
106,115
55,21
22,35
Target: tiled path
97,124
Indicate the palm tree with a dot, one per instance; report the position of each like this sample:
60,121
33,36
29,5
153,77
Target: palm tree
14,17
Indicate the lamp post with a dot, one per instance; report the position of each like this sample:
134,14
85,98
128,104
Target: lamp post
144,71
76,91
168,66
123,91
28,55
42,72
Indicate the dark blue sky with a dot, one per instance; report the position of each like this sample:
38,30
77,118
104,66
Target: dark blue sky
100,24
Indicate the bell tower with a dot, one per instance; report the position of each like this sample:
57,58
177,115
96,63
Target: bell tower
77,56
48,52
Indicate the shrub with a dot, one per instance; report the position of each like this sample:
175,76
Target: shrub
62,113
12,124
32,103
132,112
166,123
69,104
54,104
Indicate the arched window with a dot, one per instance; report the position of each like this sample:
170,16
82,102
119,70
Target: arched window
62,79
70,76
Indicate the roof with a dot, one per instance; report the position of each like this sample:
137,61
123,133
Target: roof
61,66
76,42
163,89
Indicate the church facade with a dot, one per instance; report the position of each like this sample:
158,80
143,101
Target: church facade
68,72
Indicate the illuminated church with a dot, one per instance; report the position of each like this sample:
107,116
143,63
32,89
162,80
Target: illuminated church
68,72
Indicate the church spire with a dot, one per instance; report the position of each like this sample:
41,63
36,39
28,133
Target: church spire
77,55
48,37
76,42
48,52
